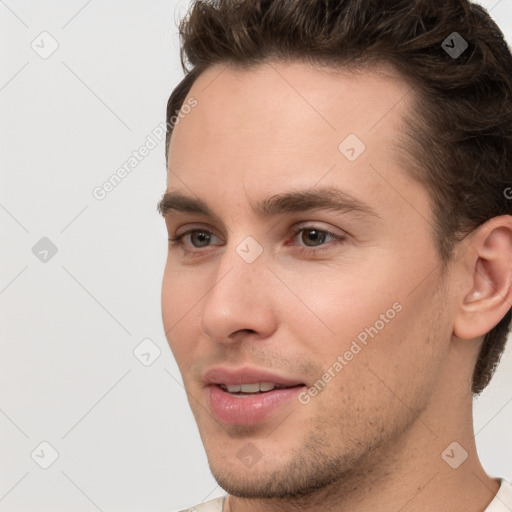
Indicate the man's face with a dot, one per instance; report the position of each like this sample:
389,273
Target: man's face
357,321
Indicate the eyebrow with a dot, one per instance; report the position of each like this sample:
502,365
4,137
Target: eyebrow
321,198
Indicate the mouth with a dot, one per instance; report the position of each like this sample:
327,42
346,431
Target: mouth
244,390
247,396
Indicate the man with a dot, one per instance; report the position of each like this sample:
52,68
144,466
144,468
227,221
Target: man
339,275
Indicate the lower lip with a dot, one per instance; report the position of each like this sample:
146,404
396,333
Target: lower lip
246,410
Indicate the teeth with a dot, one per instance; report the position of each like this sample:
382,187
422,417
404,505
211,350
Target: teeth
251,388
232,389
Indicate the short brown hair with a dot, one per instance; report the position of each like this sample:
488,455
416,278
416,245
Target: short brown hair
459,137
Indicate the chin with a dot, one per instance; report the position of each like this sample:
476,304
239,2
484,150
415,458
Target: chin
278,473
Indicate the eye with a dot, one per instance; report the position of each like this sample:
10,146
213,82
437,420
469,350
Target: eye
313,237
202,236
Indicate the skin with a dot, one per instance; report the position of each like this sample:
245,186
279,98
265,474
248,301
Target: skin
373,438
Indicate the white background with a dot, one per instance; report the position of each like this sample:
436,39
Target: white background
68,327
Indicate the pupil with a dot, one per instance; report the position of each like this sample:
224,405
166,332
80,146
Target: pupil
202,236
319,235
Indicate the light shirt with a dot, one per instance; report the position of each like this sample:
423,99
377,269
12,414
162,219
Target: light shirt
215,505
502,502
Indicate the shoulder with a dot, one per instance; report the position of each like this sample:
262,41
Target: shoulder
215,505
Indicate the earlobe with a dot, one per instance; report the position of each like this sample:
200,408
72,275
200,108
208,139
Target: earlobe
489,262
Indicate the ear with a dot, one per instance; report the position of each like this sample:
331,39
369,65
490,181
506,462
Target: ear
488,265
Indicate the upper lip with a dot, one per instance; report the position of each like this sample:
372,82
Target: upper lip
245,375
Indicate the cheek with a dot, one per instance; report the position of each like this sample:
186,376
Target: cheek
373,389
371,317
179,311
333,307
401,361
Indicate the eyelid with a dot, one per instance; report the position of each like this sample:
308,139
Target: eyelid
319,227
192,228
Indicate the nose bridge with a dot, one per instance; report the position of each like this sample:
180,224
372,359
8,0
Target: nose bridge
237,298
237,275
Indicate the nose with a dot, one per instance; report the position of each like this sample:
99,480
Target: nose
239,303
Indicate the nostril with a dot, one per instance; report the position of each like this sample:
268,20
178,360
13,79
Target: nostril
242,331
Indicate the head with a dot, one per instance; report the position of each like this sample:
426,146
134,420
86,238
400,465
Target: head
405,286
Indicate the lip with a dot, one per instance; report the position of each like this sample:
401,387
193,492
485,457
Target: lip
249,409
245,375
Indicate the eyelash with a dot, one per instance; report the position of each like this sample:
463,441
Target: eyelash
177,240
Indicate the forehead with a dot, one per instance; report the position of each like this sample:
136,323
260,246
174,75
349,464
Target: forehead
285,94
279,106
277,123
